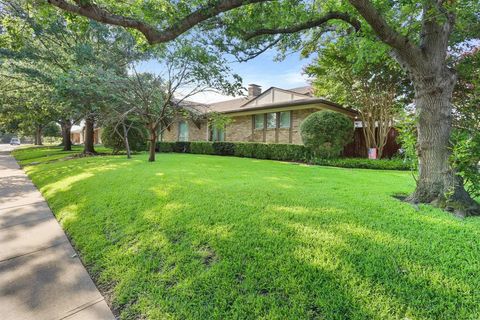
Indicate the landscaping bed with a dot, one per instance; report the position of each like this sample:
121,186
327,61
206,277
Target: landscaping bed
276,151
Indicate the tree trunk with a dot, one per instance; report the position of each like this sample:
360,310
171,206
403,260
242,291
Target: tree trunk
89,135
66,126
38,136
438,182
153,143
125,139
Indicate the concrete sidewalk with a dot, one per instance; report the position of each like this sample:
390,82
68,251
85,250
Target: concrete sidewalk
40,275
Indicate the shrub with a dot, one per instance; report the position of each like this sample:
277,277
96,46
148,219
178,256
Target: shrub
408,139
291,152
282,152
465,159
181,147
326,133
224,148
163,146
245,149
202,147
285,152
136,138
379,164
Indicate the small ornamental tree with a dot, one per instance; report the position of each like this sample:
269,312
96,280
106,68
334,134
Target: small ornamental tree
326,133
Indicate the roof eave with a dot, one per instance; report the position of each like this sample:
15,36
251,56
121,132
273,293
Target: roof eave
294,103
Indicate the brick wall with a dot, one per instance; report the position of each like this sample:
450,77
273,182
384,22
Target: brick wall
194,132
241,130
283,135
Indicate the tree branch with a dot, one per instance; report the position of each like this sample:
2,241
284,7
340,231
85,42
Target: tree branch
437,24
307,25
153,35
403,47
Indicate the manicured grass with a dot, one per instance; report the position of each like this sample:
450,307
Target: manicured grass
209,237
35,155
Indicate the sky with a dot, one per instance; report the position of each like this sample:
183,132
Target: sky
262,70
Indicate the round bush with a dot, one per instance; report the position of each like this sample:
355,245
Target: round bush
137,136
326,133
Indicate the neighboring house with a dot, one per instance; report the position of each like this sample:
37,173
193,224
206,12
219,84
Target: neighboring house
77,135
272,116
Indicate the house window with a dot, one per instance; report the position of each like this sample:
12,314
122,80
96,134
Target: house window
182,131
285,119
218,134
259,118
271,120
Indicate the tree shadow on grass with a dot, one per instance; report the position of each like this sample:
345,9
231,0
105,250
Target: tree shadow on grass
179,241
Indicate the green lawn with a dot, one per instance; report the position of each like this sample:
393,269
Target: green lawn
209,237
36,155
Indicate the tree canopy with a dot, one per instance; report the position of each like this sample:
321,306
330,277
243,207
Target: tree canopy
421,36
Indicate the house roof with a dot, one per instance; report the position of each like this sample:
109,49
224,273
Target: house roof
238,103
260,99
312,102
229,105
296,97
195,107
306,90
273,98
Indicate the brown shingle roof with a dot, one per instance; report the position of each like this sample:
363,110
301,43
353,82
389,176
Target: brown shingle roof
229,105
306,90
238,104
300,102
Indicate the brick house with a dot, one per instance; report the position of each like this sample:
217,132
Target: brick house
77,135
272,116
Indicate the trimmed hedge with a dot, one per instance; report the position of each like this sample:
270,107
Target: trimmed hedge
202,148
380,164
224,148
285,152
282,152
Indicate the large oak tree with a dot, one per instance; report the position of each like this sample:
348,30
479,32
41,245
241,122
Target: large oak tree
419,35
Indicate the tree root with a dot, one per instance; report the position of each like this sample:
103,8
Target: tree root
460,205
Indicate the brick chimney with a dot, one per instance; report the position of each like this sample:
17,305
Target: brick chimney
254,90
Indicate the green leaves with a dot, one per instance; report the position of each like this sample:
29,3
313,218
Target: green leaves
345,68
326,133
466,159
